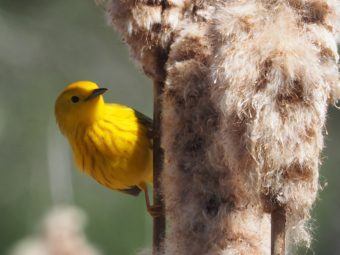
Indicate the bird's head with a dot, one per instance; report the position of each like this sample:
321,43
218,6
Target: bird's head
79,102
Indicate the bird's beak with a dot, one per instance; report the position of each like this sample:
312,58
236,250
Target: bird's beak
95,93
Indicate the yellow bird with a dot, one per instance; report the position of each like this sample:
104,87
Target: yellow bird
110,142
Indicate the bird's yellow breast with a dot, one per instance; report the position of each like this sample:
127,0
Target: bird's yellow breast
114,149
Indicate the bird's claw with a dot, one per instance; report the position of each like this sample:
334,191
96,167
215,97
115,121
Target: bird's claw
155,211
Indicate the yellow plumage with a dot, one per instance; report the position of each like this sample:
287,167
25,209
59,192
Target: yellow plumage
110,142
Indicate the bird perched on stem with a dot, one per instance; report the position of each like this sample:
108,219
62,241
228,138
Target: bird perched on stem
110,142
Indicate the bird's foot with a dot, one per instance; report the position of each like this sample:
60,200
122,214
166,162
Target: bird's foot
155,211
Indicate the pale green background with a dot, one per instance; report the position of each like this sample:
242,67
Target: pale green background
46,44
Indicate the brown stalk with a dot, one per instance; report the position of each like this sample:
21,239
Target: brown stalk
158,156
278,238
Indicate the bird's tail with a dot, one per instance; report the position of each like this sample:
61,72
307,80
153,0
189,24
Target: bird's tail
133,191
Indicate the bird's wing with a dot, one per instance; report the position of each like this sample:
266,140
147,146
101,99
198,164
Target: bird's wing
146,121
133,190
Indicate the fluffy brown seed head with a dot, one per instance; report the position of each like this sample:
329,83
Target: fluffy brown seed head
248,84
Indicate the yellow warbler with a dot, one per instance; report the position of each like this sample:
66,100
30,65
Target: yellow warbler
110,142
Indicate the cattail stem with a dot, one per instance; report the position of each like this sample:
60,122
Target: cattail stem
278,239
158,155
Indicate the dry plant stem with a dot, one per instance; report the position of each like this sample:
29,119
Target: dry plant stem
159,221
278,239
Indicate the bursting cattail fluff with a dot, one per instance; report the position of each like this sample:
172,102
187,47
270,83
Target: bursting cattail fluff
247,87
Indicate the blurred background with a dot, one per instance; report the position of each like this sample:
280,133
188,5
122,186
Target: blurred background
45,45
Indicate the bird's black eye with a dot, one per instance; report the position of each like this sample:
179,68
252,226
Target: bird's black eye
75,99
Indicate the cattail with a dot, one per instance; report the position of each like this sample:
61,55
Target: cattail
247,86
62,233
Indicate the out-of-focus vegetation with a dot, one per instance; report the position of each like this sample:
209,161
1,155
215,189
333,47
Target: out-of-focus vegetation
61,232
45,45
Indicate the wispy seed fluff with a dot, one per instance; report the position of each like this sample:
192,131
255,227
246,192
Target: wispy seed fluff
247,88
147,27
274,74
